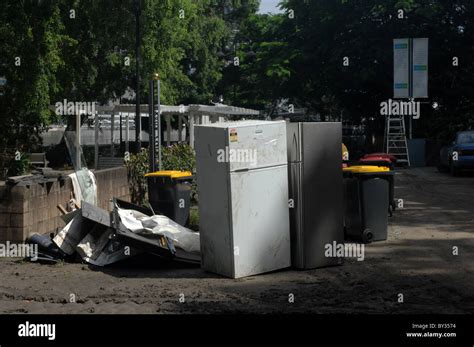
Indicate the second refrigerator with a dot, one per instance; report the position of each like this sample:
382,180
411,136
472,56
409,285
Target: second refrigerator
315,192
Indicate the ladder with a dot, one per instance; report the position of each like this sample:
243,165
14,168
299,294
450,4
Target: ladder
395,141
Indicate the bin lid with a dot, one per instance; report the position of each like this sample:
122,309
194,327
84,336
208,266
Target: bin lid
392,158
369,159
170,174
366,169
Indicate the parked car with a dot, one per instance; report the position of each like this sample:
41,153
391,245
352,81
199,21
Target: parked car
459,155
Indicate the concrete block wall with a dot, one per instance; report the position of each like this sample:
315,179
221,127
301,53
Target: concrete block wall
26,210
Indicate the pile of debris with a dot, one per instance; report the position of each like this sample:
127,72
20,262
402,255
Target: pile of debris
101,238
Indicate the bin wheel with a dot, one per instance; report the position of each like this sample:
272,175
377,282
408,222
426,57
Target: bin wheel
367,236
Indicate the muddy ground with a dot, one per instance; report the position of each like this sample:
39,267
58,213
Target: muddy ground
417,261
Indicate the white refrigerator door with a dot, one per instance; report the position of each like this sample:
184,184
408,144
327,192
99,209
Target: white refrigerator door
257,145
260,220
214,201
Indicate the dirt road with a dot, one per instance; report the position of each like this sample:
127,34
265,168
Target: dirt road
416,261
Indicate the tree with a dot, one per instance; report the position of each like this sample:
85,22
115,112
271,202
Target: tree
31,33
260,77
84,51
325,32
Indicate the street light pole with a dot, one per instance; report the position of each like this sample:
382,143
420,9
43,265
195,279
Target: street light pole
151,131
138,122
78,142
158,104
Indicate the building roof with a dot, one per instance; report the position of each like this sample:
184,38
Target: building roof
218,109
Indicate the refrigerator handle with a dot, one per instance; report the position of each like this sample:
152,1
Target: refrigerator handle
242,169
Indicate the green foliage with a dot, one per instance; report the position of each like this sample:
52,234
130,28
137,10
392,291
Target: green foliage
323,32
179,156
192,45
264,71
19,167
32,34
84,58
137,167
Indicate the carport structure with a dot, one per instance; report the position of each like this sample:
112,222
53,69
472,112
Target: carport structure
188,117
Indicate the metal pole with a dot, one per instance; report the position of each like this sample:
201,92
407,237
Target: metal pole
410,122
410,73
78,142
121,139
168,130
158,104
127,133
138,122
112,128
151,128
180,128
191,129
96,140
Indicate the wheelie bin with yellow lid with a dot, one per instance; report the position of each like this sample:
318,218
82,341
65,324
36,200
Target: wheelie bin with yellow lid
391,180
366,202
169,193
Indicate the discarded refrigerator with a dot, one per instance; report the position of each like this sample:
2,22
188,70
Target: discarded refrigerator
315,192
242,179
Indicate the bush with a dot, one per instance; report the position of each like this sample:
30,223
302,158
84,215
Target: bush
137,167
20,166
179,156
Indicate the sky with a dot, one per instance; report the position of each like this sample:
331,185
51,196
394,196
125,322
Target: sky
269,6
